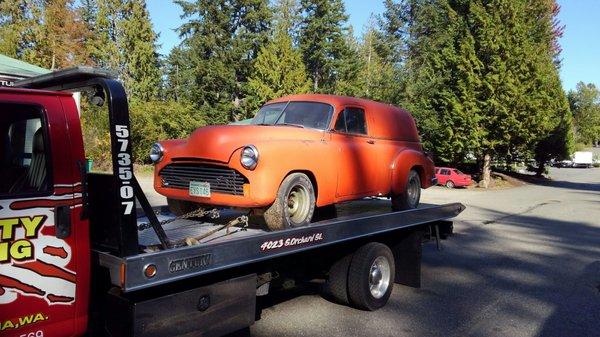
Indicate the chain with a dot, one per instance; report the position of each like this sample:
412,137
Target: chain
198,213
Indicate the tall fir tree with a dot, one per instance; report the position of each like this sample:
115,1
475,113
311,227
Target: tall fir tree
323,41
221,40
20,27
63,38
278,71
287,16
141,72
444,74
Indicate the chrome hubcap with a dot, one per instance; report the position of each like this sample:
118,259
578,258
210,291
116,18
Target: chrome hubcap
412,191
379,277
298,203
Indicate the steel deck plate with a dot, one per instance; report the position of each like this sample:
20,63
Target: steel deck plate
185,262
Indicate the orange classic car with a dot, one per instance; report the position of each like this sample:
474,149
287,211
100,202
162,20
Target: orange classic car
298,153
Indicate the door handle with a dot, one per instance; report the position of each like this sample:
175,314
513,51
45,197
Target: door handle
62,221
371,141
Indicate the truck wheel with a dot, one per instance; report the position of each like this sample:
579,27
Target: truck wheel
336,285
371,276
408,199
294,205
180,207
450,184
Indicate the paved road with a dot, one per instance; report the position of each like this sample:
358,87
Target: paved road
524,262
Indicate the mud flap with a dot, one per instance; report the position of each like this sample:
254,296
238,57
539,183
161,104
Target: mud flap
407,254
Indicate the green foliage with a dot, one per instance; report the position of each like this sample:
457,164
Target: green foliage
483,77
96,135
585,106
152,121
141,73
20,27
221,41
323,42
444,81
278,71
479,76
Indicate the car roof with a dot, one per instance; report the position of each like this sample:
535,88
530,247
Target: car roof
335,100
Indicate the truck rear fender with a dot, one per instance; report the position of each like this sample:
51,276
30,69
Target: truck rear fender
407,160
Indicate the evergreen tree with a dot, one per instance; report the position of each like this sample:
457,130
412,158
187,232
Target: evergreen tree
287,17
322,40
350,66
20,26
585,106
391,37
63,36
221,41
444,80
141,72
278,71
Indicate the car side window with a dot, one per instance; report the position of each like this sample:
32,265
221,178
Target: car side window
23,152
446,172
351,120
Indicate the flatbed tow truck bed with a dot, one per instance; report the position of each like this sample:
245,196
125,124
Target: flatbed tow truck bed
249,245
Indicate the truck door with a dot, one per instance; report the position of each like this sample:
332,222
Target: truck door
44,250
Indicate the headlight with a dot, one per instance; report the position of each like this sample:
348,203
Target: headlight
156,153
249,157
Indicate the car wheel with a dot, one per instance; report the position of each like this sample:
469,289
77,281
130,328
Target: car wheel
181,207
294,205
411,196
450,184
371,276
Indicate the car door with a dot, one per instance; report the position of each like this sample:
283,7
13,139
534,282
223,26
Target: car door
43,260
442,177
357,157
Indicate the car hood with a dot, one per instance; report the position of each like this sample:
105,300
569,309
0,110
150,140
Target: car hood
219,142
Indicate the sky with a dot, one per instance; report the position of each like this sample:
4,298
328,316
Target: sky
580,42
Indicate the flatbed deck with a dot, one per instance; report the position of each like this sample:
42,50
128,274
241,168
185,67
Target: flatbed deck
245,246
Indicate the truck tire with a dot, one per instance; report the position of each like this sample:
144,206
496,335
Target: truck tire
294,205
180,207
371,276
336,285
410,197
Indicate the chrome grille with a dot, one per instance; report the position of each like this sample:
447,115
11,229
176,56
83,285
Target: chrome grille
221,179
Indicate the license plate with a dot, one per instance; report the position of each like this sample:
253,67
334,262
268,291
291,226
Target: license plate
199,189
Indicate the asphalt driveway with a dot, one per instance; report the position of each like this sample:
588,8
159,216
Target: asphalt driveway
524,261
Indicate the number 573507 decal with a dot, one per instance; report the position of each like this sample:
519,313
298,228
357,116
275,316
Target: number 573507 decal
124,169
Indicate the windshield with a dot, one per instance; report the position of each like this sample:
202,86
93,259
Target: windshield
306,114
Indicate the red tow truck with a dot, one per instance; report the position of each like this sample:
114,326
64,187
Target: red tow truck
84,253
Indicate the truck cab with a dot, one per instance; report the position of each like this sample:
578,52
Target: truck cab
44,241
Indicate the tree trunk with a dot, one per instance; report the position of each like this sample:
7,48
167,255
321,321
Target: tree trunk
541,167
487,170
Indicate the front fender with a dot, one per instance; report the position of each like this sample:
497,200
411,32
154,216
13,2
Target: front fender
407,160
279,159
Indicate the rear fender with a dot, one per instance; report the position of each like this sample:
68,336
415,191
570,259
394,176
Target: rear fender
407,160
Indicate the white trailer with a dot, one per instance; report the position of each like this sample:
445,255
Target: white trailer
583,159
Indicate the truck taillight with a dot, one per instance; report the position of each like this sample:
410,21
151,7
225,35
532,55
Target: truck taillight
122,275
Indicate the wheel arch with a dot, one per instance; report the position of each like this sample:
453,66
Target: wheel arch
405,161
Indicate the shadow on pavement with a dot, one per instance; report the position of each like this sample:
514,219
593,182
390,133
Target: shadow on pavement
522,286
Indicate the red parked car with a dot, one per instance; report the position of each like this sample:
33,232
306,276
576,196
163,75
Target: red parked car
451,177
